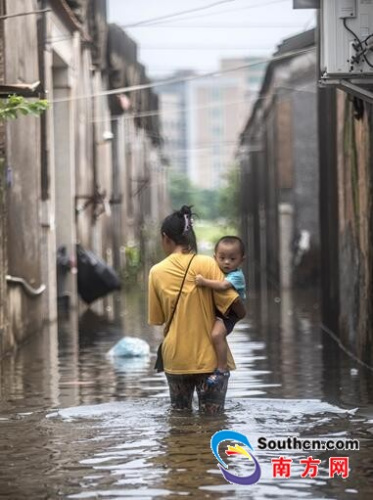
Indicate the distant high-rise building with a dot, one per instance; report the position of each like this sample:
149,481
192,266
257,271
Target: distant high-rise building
219,107
202,118
173,117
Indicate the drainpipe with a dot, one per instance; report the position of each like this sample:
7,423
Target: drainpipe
42,36
96,246
30,290
116,196
328,200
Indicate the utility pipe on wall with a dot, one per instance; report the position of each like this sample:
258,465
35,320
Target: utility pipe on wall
33,292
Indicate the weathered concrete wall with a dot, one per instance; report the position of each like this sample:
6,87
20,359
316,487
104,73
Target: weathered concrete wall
305,154
306,181
61,181
3,254
280,147
355,225
103,167
23,191
84,156
63,85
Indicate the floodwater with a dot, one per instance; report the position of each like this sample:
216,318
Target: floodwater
76,425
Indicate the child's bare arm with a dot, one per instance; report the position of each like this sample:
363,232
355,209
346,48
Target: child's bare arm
213,284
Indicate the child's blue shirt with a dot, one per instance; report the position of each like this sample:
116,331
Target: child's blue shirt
237,280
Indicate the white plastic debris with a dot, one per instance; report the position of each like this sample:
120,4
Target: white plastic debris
130,347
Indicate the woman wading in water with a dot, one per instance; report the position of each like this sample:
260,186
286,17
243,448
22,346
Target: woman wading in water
188,353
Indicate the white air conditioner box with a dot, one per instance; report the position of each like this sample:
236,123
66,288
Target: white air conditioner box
346,37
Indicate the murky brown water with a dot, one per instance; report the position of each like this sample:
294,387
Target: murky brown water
73,424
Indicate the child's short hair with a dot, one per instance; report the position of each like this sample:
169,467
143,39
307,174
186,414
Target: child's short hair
231,240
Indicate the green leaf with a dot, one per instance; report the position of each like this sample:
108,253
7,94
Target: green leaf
14,105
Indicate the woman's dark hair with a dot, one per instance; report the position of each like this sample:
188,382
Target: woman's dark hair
179,228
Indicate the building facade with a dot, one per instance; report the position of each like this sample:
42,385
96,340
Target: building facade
218,108
83,172
279,172
202,116
173,108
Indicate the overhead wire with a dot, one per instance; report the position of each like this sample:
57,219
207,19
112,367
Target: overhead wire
173,155
63,38
227,143
169,81
22,14
181,110
59,38
201,47
185,109
177,14
222,26
261,4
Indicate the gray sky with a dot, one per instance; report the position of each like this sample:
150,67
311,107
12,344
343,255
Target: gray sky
197,40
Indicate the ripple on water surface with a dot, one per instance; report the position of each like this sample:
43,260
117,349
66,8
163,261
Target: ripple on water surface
140,449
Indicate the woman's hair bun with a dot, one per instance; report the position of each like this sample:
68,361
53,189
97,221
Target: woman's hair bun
186,210
179,228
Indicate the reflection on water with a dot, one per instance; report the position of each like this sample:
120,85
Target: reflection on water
76,424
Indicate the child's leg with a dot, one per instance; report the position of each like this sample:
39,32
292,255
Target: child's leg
219,340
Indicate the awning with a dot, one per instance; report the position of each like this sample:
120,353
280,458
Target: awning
21,89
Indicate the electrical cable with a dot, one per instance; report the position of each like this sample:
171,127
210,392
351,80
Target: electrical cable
169,81
176,14
234,26
359,43
367,38
180,110
344,349
62,38
224,26
21,14
143,114
365,41
200,47
262,4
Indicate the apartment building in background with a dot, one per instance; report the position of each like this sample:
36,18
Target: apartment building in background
173,108
202,118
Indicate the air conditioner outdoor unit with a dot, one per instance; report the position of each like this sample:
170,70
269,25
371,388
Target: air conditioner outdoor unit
346,39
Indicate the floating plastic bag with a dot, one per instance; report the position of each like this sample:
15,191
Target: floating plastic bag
130,366
130,347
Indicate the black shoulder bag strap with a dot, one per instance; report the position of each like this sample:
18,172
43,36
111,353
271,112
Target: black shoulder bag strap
167,327
159,361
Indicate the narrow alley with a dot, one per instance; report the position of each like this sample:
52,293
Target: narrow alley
136,137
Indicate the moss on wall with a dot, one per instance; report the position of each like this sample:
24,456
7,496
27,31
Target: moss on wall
355,188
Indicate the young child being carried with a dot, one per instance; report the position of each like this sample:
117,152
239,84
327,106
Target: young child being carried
229,254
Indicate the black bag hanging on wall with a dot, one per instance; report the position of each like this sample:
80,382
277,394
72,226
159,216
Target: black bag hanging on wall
95,278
